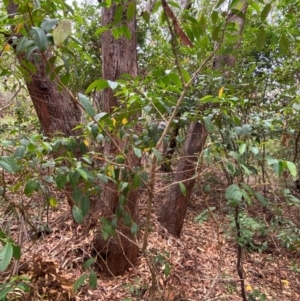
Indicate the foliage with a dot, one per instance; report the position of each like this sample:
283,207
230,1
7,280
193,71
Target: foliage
247,109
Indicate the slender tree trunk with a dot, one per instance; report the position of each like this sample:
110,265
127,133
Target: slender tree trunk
173,210
119,57
56,110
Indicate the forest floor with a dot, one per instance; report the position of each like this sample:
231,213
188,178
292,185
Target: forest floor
202,261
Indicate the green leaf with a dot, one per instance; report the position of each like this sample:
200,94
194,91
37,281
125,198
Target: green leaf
3,292
242,148
261,38
39,37
157,154
93,280
131,10
98,85
138,152
214,17
167,269
127,219
23,44
9,164
175,79
83,173
48,24
16,252
134,229
265,12
186,76
61,180
284,44
261,198
220,3
118,14
215,33
292,168
5,256
182,188
136,181
208,124
31,186
77,214
85,102
61,32
29,51
79,282
88,263
233,192
255,5
112,85
101,30
85,205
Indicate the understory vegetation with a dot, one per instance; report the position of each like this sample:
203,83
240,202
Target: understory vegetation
149,150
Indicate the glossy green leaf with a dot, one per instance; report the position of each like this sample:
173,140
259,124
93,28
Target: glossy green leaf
23,44
31,186
134,229
215,33
88,263
182,188
39,38
214,17
112,85
138,152
242,148
77,214
233,192
265,12
175,79
9,164
208,124
93,280
85,102
6,254
131,10
284,44
79,282
186,76
292,168
260,38
98,85
85,205
48,24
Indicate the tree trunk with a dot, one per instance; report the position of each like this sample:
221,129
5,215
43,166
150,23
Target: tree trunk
173,210
119,56
56,110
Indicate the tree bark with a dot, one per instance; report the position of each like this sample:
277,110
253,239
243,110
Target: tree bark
55,109
119,57
173,210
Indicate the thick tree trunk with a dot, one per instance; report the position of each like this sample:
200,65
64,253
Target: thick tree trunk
119,57
173,211
56,110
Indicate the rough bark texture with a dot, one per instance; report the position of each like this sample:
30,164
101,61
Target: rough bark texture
118,57
56,111
173,211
